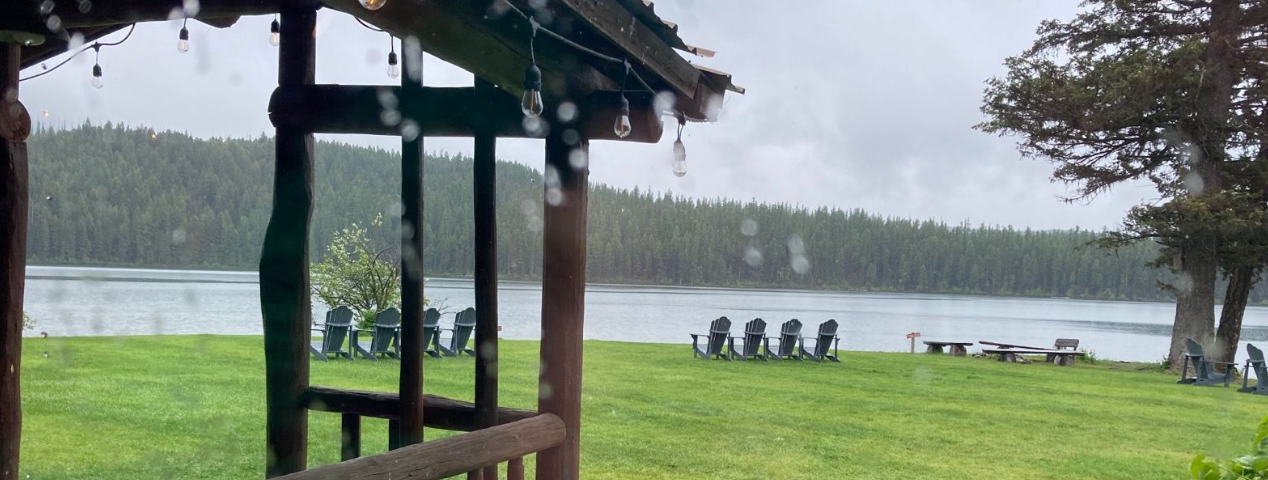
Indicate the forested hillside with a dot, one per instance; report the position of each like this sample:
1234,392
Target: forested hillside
114,195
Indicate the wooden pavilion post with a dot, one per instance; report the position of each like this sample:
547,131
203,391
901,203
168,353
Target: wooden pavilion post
284,288
410,427
563,303
15,126
486,270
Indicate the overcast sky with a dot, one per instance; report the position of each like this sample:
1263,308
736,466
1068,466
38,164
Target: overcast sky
851,104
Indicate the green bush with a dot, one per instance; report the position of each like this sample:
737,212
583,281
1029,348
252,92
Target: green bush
1247,467
28,323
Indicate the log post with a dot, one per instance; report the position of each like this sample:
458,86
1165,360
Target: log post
410,429
486,275
351,437
563,301
284,288
15,126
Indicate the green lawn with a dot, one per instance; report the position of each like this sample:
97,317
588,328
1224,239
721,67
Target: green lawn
193,407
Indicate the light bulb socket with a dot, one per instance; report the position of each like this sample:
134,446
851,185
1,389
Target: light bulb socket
184,35
275,27
533,78
624,106
391,58
96,70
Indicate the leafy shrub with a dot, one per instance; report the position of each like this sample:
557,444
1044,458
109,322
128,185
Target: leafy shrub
1246,467
27,322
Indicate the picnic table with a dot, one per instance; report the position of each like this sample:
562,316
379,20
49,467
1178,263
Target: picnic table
1064,358
958,349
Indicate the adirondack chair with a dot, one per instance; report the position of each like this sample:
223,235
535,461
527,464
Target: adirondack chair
1204,371
384,336
333,334
1063,344
431,332
827,340
1256,363
719,330
459,335
750,343
786,342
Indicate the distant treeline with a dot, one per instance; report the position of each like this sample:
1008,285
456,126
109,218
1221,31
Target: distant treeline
116,195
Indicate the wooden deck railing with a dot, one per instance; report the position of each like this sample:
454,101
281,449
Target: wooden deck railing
450,456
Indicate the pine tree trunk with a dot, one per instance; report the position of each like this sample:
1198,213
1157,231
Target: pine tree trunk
1240,283
1195,297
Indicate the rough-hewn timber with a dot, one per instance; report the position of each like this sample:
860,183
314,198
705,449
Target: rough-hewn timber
438,412
411,341
15,125
484,184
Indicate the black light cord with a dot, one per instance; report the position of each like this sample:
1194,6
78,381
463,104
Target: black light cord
570,43
96,46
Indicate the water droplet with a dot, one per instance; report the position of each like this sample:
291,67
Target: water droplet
178,236
795,245
579,159
554,197
544,391
571,137
46,7
53,23
566,112
800,264
191,8
85,6
753,257
535,127
664,101
388,99
748,227
395,209
410,130
390,117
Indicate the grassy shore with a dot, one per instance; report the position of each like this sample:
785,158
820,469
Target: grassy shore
192,407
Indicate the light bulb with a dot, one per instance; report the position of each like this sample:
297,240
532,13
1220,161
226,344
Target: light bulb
183,43
680,159
531,104
622,127
96,76
373,4
275,33
393,67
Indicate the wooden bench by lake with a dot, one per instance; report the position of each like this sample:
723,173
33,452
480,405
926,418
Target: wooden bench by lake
1064,358
958,349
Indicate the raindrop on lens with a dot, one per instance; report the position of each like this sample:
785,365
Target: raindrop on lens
372,4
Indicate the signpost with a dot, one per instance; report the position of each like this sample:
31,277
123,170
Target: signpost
913,336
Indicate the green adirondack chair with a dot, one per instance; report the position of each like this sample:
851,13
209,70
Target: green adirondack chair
431,330
786,342
384,336
334,333
459,335
750,344
825,343
1256,363
719,330
1204,371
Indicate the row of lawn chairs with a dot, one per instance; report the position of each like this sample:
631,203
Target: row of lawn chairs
755,344
341,338
1207,372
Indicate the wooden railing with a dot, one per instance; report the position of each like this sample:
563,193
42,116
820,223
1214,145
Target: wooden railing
450,456
438,412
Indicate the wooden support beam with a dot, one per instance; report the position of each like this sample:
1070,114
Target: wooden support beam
515,469
411,339
446,112
351,437
15,126
563,303
439,412
450,456
647,50
284,288
486,270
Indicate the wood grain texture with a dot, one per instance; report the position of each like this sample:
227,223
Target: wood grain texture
411,339
449,456
284,288
484,186
439,412
563,306
14,197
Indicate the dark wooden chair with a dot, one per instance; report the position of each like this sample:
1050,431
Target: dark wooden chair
751,343
334,333
1255,363
431,330
1205,372
826,341
786,342
715,340
459,335
1062,344
384,336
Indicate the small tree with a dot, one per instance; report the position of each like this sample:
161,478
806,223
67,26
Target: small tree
358,274
28,323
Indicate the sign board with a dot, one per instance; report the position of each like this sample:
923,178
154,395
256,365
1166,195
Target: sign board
913,335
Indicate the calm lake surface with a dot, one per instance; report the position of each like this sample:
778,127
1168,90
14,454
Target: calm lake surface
73,301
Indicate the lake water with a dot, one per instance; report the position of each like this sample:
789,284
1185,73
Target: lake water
72,301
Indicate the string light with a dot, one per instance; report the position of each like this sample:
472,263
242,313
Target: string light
97,82
96,47
275,33
680,151
622,126
182,44
531,104
393,66
373,4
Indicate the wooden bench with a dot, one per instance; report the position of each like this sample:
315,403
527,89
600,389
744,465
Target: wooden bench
1064,358
958,349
